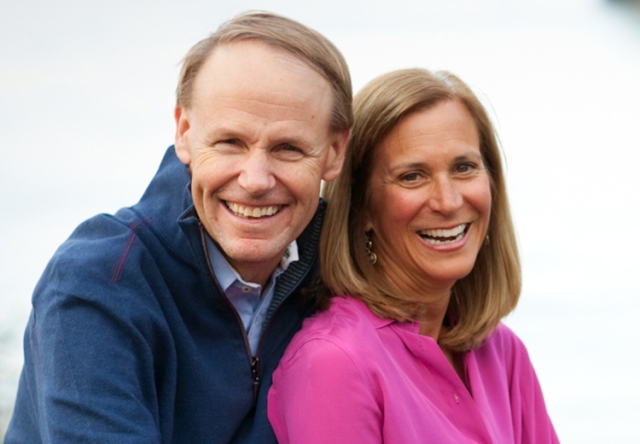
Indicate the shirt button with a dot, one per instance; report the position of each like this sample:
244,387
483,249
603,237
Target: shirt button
246,289
457,398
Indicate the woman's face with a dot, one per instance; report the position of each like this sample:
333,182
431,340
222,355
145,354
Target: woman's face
430,197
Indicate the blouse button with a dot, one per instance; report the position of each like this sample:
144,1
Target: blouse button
457,398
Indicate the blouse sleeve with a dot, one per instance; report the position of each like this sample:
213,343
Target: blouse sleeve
531,420
320,395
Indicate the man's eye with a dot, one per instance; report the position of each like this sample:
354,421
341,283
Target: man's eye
288,152
227,146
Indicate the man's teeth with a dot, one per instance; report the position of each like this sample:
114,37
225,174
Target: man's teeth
254,212
440,236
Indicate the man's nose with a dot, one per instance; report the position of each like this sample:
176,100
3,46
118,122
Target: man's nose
256,175
445,198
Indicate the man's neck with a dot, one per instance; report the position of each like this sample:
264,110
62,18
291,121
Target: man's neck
255,272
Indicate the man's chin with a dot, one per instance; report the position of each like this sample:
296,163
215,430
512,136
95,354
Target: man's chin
254,258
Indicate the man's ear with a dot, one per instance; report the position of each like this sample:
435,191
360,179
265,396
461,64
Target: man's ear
335,158
182,143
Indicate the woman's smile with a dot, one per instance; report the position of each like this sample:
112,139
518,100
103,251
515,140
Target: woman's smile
439,236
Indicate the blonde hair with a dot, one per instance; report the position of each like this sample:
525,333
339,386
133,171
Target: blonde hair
491,290
280,32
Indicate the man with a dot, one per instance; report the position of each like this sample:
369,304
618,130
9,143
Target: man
164,322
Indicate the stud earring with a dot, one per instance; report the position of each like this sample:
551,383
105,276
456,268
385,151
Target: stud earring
367,246
486,240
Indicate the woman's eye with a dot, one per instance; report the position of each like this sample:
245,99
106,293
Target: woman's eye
411,177
465,167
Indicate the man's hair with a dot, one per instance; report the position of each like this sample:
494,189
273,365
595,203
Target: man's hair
491,290
280,32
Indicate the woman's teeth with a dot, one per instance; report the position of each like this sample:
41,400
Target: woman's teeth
440,236
254,212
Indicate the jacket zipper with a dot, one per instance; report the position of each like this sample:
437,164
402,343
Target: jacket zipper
255,372
254,361
266,326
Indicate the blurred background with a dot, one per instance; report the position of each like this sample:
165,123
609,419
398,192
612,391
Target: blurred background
86,102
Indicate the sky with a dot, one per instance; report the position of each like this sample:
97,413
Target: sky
86,112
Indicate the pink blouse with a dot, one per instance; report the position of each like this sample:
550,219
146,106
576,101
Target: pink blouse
351,377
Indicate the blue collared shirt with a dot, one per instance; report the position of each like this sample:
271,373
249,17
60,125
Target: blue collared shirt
248,298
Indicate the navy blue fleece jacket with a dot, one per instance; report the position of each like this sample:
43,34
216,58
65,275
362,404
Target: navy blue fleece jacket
131,339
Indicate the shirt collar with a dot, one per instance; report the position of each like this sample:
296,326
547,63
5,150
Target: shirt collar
227,275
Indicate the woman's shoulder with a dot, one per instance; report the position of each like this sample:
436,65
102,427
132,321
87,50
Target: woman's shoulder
504,338
345,318
503,357
504,345
341,329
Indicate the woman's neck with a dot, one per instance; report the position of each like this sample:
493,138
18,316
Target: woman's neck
434,298
431,324
433,314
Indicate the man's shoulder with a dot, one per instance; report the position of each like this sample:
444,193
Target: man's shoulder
154,217
110,255
92,261
100,237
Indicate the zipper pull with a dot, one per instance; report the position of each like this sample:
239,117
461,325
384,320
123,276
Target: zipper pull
255,372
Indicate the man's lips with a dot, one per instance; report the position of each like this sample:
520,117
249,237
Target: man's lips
252,212
444,236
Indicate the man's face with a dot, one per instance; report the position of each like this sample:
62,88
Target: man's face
258,142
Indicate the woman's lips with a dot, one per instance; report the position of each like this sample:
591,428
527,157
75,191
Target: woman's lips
439,236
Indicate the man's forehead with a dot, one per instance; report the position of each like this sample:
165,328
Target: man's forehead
252,75
251,53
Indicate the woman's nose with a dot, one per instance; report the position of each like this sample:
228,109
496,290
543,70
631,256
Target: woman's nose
445,197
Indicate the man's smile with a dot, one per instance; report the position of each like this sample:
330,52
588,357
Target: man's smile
252,212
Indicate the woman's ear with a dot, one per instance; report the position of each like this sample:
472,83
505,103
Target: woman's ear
368,225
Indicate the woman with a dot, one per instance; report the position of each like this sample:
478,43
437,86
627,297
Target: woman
419,246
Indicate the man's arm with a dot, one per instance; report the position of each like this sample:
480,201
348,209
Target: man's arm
90,361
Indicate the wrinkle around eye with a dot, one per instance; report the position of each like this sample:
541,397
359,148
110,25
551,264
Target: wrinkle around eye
467,169
464,168
411,180
288,152
230,146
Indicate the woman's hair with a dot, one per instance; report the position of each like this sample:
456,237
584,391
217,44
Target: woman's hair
491,290
280,32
